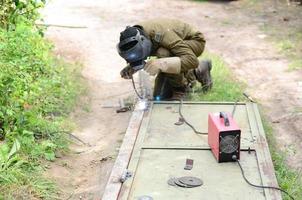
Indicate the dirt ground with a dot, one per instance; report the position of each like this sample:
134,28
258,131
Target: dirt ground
230,33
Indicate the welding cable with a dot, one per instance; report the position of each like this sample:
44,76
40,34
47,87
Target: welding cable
249,97
260,186
134,87
236,102
185,121
190,125
234,107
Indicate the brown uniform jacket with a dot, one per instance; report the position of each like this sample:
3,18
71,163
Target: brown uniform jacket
175,36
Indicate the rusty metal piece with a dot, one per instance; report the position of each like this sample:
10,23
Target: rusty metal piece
189,164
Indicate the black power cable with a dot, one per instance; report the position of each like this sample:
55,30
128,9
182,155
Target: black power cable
186,122
234,107
184,119
260,186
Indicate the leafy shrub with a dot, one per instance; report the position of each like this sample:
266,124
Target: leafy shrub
11,10
36,92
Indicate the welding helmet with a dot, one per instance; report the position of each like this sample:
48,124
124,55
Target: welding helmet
134,47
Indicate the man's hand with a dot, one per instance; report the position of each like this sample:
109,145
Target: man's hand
171,65
127,72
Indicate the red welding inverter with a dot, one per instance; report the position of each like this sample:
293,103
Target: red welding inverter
224,137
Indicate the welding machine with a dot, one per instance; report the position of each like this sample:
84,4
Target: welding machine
224,137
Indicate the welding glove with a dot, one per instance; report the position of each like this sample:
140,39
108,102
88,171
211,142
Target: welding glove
127,72
171,65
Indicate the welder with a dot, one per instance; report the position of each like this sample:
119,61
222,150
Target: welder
177,46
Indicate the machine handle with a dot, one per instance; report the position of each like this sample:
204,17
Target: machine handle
225,118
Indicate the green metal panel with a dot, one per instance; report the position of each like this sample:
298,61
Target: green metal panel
164,133
221,181
161,149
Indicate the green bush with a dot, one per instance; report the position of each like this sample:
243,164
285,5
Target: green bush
12,10
36,92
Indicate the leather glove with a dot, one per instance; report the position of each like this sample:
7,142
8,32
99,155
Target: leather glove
171,65
127,72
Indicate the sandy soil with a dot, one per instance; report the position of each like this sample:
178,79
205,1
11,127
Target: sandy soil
235,36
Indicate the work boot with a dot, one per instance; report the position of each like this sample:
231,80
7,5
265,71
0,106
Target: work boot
177,96
203,74
178,93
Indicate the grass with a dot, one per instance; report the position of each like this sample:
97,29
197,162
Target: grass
227,88
290,44
288,179
286,46
291,48
37,93
295,64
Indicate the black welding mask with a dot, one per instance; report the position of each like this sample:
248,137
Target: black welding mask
134,47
